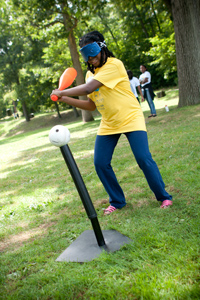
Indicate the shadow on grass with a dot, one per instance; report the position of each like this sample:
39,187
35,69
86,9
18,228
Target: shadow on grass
170,94
78,128
43,121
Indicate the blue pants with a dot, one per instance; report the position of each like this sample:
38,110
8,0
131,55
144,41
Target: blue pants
147,96
104,148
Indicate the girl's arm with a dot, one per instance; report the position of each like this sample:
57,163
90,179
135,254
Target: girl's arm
80,90
82,104
143,80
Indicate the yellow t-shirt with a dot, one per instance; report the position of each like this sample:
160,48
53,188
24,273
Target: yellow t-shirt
120,110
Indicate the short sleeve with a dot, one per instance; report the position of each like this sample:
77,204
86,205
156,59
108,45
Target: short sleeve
136,81
111,74
148,75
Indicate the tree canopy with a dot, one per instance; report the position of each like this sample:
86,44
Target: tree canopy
39,40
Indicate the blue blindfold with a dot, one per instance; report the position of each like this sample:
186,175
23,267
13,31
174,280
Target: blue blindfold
90,50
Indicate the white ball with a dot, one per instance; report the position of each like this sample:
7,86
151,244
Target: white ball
59,136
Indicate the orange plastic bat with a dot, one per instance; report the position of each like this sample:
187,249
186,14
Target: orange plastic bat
65,81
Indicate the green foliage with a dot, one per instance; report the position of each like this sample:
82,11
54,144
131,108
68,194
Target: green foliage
141,22
34,48
20,60
163,51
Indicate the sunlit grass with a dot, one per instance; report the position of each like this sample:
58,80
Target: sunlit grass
42,214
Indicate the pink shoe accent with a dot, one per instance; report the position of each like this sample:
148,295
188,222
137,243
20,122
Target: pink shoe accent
109,210
166,203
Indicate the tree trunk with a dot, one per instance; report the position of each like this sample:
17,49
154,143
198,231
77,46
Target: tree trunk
186,17
86,115
76,114
141,20
25,111
57,109
155,16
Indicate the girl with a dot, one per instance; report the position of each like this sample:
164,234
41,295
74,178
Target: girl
134,82
147,90
108,89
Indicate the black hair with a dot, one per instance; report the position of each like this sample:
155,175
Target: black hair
96,36
144,66
130,74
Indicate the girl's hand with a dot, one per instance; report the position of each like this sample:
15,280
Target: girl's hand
57,92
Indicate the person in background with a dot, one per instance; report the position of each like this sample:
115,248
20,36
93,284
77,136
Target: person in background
108,89
147,90
134,82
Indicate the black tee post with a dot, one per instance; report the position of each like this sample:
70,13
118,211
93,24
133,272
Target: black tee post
84,195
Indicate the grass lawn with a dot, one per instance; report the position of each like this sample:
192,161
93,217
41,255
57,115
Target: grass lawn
41,212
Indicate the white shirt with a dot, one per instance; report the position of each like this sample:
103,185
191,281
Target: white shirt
134,82
144,75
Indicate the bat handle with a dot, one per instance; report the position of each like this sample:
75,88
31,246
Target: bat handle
54,97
